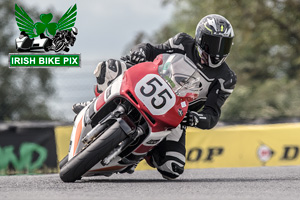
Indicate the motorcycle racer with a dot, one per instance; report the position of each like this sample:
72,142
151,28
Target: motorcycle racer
208,51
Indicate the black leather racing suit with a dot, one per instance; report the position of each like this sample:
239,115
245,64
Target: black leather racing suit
220,81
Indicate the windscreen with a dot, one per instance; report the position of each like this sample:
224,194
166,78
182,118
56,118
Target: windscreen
181,74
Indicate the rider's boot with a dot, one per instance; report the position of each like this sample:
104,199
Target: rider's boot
77,107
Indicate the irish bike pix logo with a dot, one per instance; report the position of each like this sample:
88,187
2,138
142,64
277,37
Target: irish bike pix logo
44,43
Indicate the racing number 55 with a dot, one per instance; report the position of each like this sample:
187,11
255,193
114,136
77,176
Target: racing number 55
153,91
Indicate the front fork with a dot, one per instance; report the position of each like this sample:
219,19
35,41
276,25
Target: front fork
105,123
128,127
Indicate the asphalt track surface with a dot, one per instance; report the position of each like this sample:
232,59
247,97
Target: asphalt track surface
222,183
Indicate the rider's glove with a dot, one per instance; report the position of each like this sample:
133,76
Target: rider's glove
137,56
190,119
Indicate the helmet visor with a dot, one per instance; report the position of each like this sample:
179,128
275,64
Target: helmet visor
216,45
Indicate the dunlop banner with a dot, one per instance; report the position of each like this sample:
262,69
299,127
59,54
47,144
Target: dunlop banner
244,146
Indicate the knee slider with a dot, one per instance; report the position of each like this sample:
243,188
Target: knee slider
112,65
171,169
176,168
100,72
106,72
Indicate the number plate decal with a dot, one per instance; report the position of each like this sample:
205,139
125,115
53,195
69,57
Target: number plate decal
155,93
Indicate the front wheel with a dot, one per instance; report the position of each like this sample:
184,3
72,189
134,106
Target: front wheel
95,152
63,161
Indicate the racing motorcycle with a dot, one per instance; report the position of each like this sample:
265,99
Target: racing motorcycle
133,115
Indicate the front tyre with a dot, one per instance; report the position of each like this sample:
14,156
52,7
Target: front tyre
63,161
95,152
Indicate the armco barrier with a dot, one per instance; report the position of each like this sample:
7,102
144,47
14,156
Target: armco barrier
231,146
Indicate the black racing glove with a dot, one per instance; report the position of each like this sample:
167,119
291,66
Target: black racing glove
137,56
191,118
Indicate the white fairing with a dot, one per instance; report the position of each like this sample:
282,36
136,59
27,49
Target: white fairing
84,131
114,89
154,139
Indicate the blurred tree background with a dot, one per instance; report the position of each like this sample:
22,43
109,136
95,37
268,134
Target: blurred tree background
23,92
265,55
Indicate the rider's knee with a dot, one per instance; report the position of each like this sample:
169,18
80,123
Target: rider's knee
105,74
107,71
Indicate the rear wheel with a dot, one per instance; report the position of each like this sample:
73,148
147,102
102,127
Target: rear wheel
95,152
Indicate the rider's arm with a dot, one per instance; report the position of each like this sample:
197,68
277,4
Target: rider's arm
220,90
173,45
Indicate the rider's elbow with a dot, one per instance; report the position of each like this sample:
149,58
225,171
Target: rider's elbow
207,122
207,125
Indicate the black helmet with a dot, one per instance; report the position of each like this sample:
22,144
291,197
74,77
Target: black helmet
214,35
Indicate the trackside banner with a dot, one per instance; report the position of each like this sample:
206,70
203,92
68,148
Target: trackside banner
27,150
244,146
231,146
